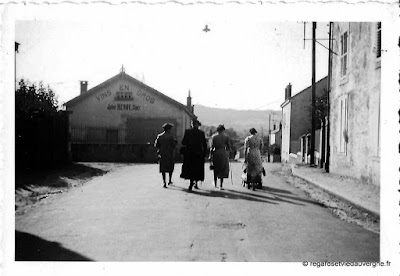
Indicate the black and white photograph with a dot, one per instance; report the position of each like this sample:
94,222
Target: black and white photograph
167,138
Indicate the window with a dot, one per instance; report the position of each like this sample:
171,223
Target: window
378,39
343,53
343,137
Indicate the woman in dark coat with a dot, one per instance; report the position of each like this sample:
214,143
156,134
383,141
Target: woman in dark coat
220,155
165,144
194,151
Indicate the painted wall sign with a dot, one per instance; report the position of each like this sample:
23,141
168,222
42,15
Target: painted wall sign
123,107
146,97
123,96
103,95
123,93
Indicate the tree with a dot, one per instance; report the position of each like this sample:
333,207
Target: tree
231,133
321,108
41,129
31,101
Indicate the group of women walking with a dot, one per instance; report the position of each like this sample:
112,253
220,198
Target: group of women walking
194,151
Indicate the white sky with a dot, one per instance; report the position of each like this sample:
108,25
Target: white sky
240,64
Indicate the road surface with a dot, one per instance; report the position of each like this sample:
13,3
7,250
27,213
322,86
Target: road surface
126,215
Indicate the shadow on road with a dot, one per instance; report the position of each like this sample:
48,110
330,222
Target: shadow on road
55,177
274,190
274,198
228,194
277,192
32,248
266,195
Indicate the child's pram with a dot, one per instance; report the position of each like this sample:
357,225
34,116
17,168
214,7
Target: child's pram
251,182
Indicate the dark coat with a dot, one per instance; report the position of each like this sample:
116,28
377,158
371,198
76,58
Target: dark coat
165,143
194,153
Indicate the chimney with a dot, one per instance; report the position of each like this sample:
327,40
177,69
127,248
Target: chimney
83,86
288,91
189,102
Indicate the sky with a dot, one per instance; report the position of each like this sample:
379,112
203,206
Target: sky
238,64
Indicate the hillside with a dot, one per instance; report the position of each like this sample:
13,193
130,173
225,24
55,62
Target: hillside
240,120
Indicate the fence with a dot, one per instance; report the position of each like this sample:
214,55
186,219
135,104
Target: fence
112,135
41,141
113,144
97,135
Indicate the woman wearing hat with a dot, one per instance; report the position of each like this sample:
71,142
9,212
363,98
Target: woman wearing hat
253,146
195,148
220,155
165,144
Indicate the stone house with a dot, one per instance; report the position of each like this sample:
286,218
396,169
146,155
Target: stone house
355,100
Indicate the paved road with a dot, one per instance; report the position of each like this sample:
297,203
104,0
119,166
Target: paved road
126,215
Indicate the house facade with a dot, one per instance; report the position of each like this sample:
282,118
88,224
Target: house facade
276,137
296,118
355,101
119,119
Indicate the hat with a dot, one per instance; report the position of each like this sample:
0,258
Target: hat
167,126
196,122
220,128
252,130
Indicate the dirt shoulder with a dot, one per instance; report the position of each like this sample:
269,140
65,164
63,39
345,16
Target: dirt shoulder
33,186
338,207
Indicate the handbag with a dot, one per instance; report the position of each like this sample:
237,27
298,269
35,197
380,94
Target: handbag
244,177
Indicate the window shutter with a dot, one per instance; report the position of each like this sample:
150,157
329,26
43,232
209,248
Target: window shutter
343,53
378,40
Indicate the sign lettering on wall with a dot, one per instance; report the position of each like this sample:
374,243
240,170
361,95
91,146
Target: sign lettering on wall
124,107
146,97
124,93
101,96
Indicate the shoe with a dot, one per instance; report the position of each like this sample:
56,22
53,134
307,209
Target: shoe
170,183
196,187
221,188
165,186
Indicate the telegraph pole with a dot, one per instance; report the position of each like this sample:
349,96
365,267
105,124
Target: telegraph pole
328,123
269,135
314,26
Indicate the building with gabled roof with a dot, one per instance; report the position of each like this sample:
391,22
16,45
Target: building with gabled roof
119,119
296,117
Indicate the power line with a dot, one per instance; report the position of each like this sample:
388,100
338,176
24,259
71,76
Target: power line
270,103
